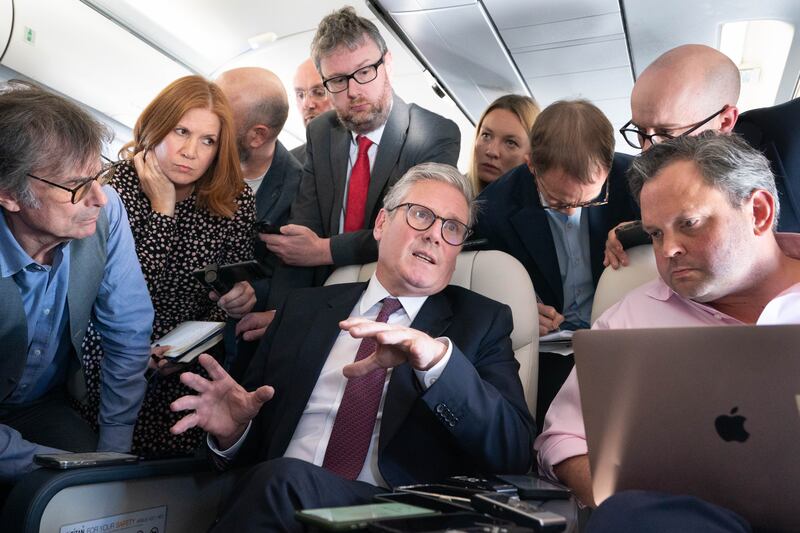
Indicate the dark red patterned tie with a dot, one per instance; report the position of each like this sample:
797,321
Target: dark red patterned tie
355,420
358,188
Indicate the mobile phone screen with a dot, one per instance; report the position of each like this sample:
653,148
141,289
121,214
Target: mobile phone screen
338,518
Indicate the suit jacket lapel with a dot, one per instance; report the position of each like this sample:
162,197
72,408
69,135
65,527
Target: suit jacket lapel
308,362
273,181
433,318
533,230
340,154
392,141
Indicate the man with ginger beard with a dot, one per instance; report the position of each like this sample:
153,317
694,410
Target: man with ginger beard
353,155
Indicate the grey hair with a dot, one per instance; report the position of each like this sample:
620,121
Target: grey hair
45,132
432,172
725,161
343,28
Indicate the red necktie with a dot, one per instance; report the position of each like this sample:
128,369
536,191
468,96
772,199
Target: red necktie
357,190
355,420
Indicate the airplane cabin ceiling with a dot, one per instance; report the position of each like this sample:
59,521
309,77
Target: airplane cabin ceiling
476,49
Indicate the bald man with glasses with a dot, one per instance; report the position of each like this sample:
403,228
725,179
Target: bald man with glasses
694,88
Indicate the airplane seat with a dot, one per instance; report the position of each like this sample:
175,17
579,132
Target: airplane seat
178,495
498,276
614,284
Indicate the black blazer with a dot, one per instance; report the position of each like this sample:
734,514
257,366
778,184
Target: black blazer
513,221
774,131
299,153
273,200
412,135
473,419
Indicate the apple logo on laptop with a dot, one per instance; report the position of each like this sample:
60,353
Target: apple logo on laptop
731,427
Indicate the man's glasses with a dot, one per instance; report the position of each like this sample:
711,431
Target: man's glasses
636,137
560,206
79,192
421,218
316,93
363,75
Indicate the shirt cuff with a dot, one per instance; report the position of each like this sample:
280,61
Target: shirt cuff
117,438
557,450
429,377
231,452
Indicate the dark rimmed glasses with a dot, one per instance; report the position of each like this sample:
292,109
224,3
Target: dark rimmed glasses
574,205
362,76
79,192
636,137
421,218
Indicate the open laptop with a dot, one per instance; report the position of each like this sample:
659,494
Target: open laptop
712,412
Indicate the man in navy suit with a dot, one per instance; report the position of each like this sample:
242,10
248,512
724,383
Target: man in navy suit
553,214
693,88
440,376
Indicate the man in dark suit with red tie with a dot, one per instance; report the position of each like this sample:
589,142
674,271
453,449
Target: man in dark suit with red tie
431,391
354,153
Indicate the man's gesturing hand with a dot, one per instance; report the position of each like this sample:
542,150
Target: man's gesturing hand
223,408
396,345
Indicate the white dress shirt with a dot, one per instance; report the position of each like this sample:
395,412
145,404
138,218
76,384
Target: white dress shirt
313,431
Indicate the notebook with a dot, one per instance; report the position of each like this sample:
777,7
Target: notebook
712,412
190,339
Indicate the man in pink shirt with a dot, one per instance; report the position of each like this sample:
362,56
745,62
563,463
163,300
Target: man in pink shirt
711,206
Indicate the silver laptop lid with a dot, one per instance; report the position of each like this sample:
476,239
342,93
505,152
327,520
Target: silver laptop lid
712,412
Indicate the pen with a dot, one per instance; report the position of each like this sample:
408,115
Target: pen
539,301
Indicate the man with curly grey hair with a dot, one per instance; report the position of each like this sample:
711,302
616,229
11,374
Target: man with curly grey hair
354,154
710,204
66,256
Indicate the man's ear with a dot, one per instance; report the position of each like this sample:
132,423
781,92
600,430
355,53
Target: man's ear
529,163
387,63
763,206
8,202
258,135
380,220
729,118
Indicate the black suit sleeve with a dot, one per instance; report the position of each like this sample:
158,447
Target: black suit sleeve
482,404
306,208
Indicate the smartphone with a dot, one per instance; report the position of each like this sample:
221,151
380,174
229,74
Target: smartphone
452,522
632,234
266,227
482,483
536,488
447,492
358,516
66,461
520,512
222,278
429,501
